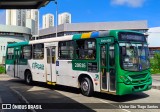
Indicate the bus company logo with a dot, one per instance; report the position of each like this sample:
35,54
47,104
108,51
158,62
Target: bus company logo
35,65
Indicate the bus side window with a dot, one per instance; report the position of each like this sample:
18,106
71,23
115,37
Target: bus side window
80,49
38,51
66,50
10,53
111,56
26,52
86,49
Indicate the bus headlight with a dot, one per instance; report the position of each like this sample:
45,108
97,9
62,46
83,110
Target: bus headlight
125,79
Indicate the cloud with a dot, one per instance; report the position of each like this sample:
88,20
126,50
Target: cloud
3,17
130,3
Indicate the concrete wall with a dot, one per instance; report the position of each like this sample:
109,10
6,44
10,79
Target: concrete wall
154,37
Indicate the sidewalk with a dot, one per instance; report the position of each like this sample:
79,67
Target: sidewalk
156,81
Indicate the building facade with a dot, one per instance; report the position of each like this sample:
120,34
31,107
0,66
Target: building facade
64,18
20,17
154,40
48,21
8,35
16,17
77,28
30,23
33,15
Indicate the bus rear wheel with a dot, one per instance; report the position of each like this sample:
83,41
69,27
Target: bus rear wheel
28,77
86,86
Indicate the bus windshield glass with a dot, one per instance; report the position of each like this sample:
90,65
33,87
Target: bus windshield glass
134,57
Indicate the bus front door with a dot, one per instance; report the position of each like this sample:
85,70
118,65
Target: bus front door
16,63
107,70
51,71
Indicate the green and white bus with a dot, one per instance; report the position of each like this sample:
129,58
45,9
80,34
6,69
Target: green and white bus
114,61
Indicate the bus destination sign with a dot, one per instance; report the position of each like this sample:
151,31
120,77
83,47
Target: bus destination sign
132,37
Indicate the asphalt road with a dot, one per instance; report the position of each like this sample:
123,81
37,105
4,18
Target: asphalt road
156,77
64,99
156,81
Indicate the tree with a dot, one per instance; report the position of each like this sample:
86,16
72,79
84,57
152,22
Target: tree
155,63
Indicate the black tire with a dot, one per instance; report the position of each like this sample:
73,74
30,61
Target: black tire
28,78
86,86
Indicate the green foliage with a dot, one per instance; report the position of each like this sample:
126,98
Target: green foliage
2,69
155,63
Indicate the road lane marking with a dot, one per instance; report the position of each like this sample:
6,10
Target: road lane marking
114,105
23,98
37,88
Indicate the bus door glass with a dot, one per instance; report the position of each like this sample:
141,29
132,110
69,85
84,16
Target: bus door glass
16,62
112,72
51,58
104,67
107,67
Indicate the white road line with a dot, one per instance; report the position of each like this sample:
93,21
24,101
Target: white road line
114,105
23,98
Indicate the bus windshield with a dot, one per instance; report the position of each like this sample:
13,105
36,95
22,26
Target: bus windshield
134,57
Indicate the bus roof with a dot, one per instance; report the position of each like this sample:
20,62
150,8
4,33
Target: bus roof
73,37
95,34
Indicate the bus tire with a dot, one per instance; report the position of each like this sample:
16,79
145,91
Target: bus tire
28,77
86,86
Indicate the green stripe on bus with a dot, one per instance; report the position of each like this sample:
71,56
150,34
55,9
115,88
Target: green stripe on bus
18,44
21,62
76,37
10,62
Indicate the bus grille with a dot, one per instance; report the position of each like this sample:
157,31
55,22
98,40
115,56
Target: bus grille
138,79
138,76
138,82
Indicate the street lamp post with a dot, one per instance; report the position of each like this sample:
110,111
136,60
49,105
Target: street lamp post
55,2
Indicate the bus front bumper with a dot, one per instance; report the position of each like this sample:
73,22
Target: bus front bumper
129,89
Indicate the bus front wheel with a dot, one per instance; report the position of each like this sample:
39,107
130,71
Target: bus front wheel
86,86
28,78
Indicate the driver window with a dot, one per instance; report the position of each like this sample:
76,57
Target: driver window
129,53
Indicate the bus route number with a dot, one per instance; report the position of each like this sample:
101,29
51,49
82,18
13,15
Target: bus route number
80,65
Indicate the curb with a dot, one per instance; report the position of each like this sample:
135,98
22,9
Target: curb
155,75
156,87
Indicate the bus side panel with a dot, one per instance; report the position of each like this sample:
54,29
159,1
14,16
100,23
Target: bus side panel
22,66
22,69
65,74
10,70
38,70
69,77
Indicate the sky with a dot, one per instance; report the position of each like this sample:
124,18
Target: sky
104,10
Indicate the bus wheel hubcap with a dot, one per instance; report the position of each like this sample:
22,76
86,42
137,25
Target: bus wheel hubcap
85,86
